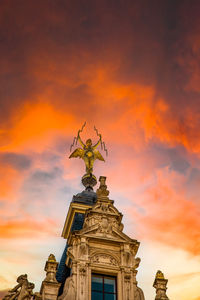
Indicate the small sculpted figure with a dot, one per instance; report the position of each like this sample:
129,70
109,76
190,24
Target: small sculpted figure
22,291
88,153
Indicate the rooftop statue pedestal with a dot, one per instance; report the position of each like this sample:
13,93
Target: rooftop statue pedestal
50,286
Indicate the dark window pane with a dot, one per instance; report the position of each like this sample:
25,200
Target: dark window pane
109,297
97,296
97,283
109,285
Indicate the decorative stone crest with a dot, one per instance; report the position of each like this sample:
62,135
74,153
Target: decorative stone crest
105,226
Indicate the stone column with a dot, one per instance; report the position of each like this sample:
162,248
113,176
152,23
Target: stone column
160,284
50,286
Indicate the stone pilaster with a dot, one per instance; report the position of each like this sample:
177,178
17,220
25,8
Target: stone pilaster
160,284
50,286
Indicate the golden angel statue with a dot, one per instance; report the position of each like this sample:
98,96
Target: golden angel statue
88,152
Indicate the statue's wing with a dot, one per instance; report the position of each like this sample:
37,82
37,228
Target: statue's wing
77,153
98,155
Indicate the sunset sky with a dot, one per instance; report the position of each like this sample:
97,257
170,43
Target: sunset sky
132,69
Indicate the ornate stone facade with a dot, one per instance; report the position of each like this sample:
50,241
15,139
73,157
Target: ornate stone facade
101,247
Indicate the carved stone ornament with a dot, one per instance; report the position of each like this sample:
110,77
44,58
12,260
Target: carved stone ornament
105,226
82,249
137,262
82,270
51,268
22,291
127,258
104,259
69,290
139,295
127,277
51,258
102,190
159,275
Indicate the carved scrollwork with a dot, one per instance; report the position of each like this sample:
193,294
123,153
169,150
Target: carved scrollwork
104,259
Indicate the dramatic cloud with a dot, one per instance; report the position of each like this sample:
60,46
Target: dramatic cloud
26,228
132,69
17,161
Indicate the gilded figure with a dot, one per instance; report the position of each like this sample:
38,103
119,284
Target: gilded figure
88,152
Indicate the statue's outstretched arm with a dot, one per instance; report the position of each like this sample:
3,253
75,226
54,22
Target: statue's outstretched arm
97,144
14,296
16,287
79,139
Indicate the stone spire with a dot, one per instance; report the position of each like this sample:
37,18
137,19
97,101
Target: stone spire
160,284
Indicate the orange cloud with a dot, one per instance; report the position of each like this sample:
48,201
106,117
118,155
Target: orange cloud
119,109
10,181
183,277
34,125
27,228
170,216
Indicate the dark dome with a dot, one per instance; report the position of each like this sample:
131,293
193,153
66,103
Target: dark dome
87,196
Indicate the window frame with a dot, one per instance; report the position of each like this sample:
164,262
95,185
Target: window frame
103,276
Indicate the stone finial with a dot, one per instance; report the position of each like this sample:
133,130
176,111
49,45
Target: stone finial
160,284
50,286
51,268
159,275
102,190
51,258
23,290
